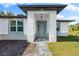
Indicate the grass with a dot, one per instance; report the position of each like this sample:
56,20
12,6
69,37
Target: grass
68,38
64,48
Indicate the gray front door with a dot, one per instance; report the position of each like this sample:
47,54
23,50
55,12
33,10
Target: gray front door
41,28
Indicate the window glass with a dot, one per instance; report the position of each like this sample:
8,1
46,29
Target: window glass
13,26
58,26
19,25
16,26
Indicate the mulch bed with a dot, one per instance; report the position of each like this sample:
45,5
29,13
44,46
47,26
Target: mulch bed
12,47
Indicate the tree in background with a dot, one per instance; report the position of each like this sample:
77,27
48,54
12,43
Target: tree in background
6,13
74,29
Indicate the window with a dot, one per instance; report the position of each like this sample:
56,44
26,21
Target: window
58,26
19,25
16,26
13,26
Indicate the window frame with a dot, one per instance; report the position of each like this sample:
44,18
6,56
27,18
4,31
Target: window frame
12,26
16,25
20,26
58,26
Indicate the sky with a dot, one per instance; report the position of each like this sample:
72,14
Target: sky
70,12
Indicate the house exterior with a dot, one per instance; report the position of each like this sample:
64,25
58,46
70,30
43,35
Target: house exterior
62,27
40,23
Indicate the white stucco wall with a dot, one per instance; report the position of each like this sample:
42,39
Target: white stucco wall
3,26
31,25
5,30
25,26
51,26
64,26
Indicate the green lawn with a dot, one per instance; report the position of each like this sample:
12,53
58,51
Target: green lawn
64,48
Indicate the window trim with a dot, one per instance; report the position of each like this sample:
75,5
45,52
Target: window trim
58,26
22,27
16,20
12,26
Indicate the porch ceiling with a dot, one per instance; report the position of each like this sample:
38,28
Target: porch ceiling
25,8
41,16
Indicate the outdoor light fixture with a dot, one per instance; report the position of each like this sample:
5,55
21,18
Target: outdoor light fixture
41,14
41,10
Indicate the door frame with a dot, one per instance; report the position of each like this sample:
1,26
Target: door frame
45,25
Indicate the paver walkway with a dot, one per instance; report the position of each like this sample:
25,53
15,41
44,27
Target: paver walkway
42,49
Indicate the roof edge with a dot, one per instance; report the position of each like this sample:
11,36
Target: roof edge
65,20
30,7
13,16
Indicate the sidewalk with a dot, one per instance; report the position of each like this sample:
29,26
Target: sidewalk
42,49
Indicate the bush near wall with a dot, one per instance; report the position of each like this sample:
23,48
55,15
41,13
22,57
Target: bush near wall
74,30
74,33
68,38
